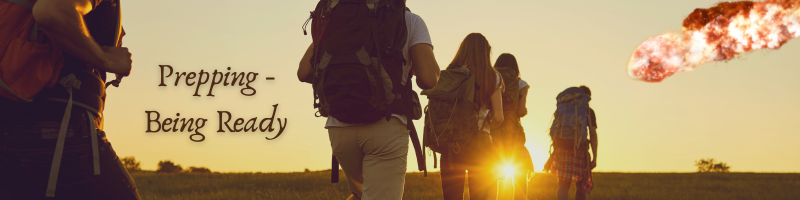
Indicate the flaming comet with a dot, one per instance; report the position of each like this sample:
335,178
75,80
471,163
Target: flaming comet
716,34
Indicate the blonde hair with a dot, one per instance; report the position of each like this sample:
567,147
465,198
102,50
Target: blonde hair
475,52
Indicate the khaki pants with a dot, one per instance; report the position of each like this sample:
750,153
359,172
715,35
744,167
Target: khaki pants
373,157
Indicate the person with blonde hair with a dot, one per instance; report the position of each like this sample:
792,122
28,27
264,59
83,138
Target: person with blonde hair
475,156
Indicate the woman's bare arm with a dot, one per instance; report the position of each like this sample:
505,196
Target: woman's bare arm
497,108
522,108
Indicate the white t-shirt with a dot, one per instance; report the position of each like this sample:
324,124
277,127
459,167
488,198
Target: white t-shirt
484,111
417,34
523,84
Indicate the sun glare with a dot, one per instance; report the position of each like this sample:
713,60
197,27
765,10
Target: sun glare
508,170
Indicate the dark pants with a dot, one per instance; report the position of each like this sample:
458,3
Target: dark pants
482,184
26,155
563,190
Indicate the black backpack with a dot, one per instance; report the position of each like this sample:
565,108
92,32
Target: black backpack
358,76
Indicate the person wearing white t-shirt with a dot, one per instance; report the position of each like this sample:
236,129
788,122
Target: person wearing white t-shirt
512,142
374,155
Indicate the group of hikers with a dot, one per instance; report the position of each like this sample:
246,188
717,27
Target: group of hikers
360,65
55,54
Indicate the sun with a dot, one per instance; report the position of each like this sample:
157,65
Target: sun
508,170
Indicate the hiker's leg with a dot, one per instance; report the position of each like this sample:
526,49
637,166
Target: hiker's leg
521,185
27,155
385,160
482,182
347,149
13,181
453,174
580,191
114,181
563,189
524,158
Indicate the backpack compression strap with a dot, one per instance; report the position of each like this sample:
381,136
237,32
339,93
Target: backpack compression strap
68,82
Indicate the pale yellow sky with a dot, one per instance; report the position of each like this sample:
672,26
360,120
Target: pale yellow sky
741,112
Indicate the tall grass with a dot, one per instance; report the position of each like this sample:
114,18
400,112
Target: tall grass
617,186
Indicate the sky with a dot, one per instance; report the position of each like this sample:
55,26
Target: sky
741,112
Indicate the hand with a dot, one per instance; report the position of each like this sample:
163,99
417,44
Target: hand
118,60
593,164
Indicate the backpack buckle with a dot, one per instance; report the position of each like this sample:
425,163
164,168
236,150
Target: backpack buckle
372,11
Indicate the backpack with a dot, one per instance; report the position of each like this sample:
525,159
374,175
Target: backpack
451,116
29,71
27,64
509,136
510,131
358,64
357,77
570,127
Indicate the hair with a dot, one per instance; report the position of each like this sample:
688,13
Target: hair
507,60
475,52
586,89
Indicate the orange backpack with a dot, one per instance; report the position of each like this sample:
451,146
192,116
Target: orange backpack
27,65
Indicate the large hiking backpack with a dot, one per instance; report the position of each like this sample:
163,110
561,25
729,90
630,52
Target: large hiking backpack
27,64
30,69
451,117
357,76
358,64
571,119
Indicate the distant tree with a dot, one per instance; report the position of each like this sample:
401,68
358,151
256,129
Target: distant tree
131,164
198,170
306,171
166,166
709,165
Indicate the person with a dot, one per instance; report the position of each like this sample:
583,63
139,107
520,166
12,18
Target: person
33,147
569,161
373,155
510,136
474,53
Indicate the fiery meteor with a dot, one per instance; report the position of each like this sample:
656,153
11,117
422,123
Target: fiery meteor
716,34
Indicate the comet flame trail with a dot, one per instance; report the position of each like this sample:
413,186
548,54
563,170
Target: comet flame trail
716,34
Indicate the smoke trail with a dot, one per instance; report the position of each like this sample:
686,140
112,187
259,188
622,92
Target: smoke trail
716,34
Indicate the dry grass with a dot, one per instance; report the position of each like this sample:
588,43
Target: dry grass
618,186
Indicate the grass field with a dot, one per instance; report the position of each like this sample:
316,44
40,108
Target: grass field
316,185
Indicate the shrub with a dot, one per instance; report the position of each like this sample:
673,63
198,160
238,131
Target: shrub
166,166
198,170
131,164
708,165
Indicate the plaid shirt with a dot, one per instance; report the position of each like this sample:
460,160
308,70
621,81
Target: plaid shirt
567,166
